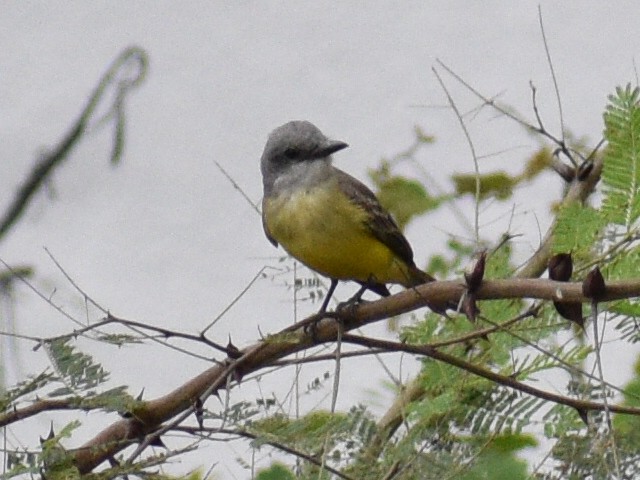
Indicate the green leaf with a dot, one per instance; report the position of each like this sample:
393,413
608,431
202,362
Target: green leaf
55,458
440,265
626,264
497,184
119,339
577,229
113,400
511,443
621,168
433,407
499,462
277,471
31,384
78,370
539,162
404,198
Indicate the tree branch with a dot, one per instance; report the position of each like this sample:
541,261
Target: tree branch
147,418
507,381
40,406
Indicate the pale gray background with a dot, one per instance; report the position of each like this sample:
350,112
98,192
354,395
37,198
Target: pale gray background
164,238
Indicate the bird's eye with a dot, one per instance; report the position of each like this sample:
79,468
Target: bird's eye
292,153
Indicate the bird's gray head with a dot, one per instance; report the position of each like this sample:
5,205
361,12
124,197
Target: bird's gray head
294,143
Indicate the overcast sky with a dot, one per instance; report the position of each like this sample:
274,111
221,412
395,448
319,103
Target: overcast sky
165,238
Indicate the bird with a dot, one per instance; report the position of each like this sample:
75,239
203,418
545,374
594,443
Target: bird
327,219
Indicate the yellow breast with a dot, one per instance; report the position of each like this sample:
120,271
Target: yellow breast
324,230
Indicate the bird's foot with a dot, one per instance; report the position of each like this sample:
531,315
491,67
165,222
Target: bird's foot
348,306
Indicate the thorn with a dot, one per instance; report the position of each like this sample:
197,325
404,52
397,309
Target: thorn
312,329
52,434
565,171
139,397
199,411
474,273
593,285
470,307
232,351
584,415
534,310
237,375
157,442
560,267
570,311
584,170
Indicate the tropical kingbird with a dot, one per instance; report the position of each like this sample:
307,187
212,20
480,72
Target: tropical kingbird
327,219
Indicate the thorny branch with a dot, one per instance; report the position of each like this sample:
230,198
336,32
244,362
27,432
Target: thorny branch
149,417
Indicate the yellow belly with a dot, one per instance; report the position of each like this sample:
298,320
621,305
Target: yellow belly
325,231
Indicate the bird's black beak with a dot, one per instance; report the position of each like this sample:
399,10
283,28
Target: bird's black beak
331,147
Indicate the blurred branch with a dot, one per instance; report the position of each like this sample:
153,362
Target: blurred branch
44,166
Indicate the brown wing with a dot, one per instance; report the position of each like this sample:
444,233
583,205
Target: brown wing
380,222
385,229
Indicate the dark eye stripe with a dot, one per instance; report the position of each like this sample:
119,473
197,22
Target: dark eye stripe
292,153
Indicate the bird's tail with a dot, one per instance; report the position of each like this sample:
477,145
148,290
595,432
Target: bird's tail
418,277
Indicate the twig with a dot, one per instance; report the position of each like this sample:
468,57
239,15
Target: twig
603,384
336,373
238,188
262,439
474,156
553,73
40,406
328,357
234,301
507,381
74,284
492,103
223,378
567,366
137,327
39,294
